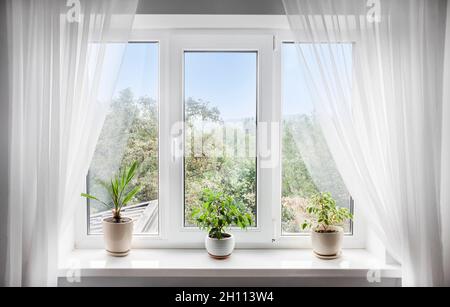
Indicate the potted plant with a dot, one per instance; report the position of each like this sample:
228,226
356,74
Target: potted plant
325,221
118,230
217,213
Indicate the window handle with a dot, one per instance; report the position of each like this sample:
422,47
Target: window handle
275,230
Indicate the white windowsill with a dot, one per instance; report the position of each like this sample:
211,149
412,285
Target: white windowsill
243,263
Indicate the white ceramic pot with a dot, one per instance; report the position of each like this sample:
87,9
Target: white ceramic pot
328,244
118,236
220,249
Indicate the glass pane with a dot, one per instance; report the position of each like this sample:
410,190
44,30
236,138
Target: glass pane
307,165
220,130
130,133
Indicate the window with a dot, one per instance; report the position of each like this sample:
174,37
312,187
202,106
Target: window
307,164
227,112
220,86
130,133
220,126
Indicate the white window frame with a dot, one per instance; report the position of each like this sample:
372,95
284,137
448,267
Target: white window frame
85,240
223,42
357,238
173,234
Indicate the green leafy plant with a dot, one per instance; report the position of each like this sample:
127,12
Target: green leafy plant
119,190
218,212
324,213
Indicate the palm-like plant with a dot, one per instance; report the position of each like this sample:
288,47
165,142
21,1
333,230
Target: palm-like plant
119,190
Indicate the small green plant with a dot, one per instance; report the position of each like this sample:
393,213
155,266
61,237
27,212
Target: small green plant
219,212
324,213
119,190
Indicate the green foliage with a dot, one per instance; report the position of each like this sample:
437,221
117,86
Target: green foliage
142,146
308,168
324,213
119,190
130,133
297,181
235,176
202,110
218,212
287,216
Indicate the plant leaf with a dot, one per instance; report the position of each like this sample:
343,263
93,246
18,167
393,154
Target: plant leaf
93,198
130,195
89,196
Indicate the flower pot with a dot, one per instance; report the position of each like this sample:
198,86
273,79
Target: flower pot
118,236
327,244
220,249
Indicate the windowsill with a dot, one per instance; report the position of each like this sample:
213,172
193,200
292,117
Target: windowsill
243,263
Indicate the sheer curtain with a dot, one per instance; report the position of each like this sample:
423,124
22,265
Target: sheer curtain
445,170
383,119
64,60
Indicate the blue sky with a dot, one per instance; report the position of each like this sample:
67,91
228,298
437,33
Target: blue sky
227,80
294,90
139,70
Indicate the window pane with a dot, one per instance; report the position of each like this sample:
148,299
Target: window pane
130,133
220,130
307,165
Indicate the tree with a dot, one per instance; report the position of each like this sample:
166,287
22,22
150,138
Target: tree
235,176
130,133
308,168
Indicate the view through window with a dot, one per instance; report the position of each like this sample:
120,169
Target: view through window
220,126
220,113
307,165
130,133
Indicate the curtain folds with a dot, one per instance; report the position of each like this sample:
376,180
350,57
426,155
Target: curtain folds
445,167
64,60
383,120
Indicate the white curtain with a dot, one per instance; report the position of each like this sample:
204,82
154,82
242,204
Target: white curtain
64,60
445,171
383,119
